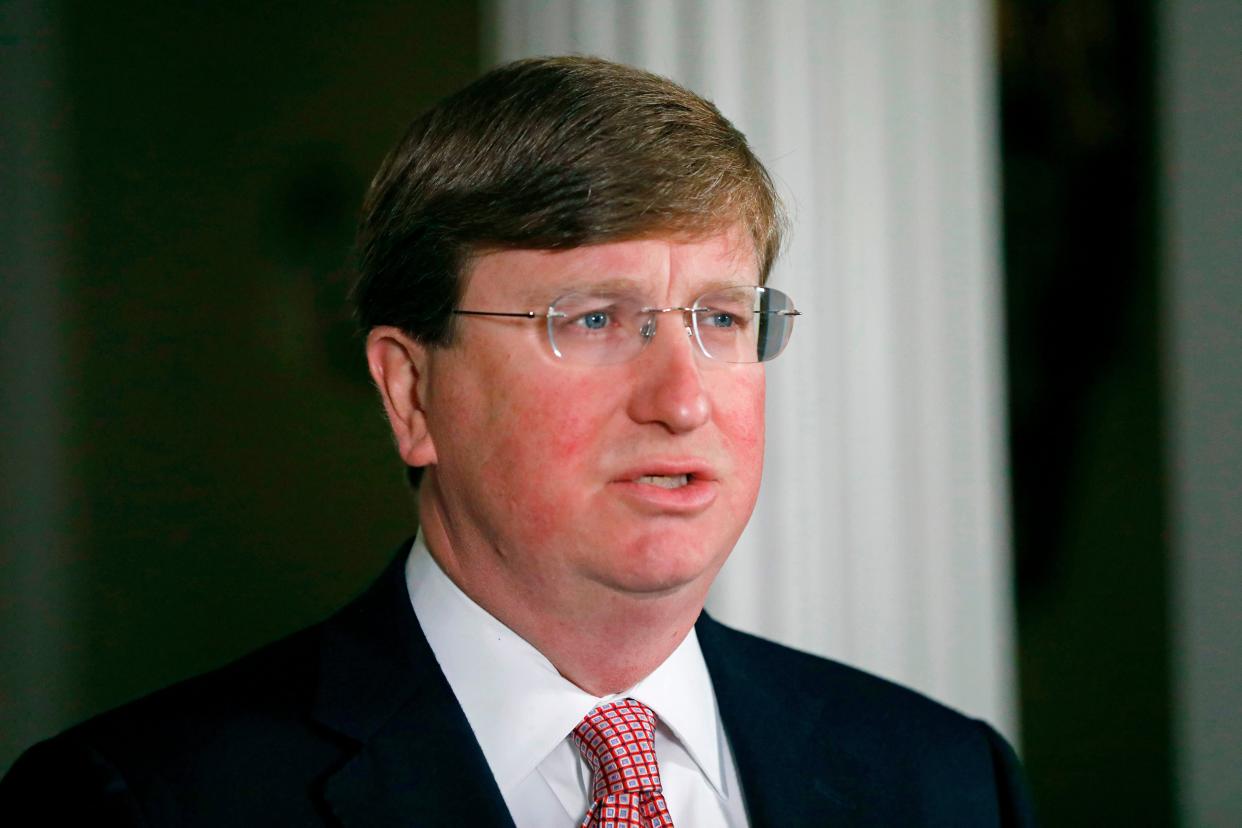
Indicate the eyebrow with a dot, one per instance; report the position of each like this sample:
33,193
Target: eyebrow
616,286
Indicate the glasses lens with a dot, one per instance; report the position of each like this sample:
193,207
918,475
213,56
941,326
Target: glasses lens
743,324
596,330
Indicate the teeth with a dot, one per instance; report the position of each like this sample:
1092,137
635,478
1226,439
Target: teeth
665,481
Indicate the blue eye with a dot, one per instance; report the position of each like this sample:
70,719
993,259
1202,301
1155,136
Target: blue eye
720,319
594,320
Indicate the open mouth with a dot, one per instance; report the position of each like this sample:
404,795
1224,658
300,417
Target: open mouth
665,481
669,487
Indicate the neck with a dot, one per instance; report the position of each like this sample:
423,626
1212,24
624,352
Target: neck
589,650
602,640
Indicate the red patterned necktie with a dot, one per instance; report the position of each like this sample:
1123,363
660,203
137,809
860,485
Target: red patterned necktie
617,740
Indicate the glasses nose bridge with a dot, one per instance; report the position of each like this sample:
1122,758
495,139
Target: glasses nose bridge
651,328
651,325
687,319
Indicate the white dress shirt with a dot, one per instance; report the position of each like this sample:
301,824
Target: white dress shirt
522,712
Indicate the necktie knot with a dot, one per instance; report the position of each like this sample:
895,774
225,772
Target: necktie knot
617,740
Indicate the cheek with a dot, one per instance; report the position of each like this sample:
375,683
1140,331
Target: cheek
552,426
740,418
546,458
570,441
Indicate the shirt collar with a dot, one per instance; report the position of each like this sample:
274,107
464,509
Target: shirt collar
520,707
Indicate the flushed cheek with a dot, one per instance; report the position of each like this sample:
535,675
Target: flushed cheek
739,416
570,418
544,441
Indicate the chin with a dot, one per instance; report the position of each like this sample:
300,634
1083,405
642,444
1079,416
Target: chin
665,563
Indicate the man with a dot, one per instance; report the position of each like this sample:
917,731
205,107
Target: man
563,274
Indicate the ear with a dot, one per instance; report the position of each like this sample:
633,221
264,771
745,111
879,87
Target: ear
398,366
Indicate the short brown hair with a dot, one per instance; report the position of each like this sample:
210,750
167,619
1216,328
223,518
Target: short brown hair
549,153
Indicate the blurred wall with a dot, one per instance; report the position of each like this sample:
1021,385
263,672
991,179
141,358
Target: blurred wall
1085,410
1201,177
194,462
1121,124
34,664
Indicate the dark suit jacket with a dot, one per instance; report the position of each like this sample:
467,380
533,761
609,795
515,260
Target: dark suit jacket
351,722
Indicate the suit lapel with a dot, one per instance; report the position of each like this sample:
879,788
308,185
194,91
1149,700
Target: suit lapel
788,765
414,760
417,762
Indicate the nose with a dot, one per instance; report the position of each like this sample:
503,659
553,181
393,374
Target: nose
669,388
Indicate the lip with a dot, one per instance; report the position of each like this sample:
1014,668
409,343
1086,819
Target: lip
667,467
694,497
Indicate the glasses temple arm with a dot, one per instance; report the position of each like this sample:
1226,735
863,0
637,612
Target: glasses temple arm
522,315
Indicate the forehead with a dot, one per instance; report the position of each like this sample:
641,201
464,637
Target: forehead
656,266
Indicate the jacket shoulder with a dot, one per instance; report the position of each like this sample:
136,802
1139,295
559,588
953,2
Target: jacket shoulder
239,728
883,753
835,684
249,743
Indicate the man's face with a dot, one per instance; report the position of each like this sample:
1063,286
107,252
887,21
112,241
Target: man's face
552,478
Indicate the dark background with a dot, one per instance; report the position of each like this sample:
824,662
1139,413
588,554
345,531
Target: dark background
230,476
1080,221
225,445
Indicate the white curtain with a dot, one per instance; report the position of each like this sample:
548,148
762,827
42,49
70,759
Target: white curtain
881,536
